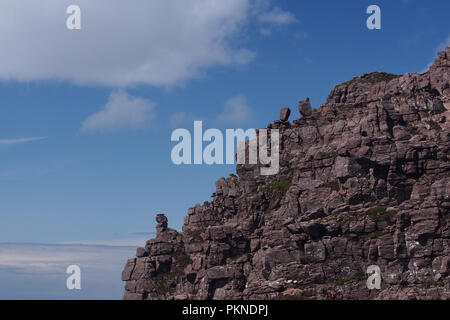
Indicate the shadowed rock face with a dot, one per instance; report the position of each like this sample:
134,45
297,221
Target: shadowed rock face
364,180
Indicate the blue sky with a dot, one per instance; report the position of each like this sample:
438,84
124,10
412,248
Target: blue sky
86,115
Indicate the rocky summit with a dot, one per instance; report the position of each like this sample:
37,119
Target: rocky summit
364,180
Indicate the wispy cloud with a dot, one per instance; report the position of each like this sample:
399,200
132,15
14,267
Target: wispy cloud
143,233
135,242
37,258
182,117
121,112
10,142
440,47
271,18
278,17
235,110
38,271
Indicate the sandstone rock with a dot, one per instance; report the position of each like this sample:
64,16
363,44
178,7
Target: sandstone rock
284,114
363,180
141,252
161,219
128,270
304,107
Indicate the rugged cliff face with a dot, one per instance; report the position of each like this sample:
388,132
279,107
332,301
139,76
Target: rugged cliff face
364,180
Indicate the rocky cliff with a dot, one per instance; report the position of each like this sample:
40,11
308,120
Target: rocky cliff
364,180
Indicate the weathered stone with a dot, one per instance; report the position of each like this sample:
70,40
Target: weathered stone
314,252
363,180
161,219
284,114
141,252
304,107
128,270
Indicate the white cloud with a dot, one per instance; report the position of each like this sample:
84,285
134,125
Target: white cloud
122,111
9,142
116,243
278,17
38,271
270,18
234,111
121,43
180,117
127,43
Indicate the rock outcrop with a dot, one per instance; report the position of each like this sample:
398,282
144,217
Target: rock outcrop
364,180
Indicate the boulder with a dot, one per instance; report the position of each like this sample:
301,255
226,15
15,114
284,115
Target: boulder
284,114
304,107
